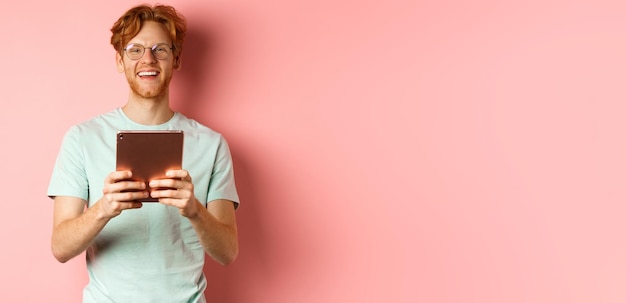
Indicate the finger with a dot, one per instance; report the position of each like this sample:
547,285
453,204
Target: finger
165,193
133,196
185,207
122,186
114,207
135,204
171,202
169,183
178,173
118,176
178,203
125,197
129,205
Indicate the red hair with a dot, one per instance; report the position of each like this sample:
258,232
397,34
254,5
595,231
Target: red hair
129,25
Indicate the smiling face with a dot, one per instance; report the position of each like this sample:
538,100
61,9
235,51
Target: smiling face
148,77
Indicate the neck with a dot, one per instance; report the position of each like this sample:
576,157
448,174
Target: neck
148,111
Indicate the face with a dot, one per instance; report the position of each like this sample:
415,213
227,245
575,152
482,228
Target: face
148,77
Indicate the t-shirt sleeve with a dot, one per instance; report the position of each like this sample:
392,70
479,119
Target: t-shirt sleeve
222,183
68,175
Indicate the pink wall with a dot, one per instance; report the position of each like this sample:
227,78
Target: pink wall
411,151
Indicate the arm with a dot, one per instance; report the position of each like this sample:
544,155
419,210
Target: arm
215,225
74,228
217,229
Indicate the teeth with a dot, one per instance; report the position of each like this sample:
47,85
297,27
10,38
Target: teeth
141,74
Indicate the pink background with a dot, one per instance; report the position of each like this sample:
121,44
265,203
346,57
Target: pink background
385,151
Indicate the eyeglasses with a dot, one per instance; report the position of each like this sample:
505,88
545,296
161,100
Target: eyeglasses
160,51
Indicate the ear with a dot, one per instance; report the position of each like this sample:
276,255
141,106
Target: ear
178,62
119,60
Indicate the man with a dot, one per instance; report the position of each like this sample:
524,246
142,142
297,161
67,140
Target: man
144,252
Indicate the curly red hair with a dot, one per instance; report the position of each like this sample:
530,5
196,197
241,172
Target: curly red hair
129,24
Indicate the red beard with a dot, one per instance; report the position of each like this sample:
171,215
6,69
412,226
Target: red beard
158,91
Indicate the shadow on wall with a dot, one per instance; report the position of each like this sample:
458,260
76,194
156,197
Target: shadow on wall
227,284
189,82
191,85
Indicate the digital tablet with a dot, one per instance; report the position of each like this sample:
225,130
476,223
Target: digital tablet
149,154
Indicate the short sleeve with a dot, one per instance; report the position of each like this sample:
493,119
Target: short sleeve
68,176
222,183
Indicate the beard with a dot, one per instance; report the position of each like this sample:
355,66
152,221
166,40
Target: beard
159,91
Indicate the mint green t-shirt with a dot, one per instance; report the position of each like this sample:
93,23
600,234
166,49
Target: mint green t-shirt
151,254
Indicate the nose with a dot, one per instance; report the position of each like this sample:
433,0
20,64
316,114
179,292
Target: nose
148,56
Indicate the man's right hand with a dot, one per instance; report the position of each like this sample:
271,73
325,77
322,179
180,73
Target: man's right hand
120,194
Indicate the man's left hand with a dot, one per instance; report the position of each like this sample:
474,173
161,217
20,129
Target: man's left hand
176,191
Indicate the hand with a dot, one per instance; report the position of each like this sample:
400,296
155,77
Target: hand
120,194
176,191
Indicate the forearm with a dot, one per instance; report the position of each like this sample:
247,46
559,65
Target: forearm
219,239
71,237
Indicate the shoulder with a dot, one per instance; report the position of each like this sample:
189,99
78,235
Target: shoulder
110,119
195,129
98,126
